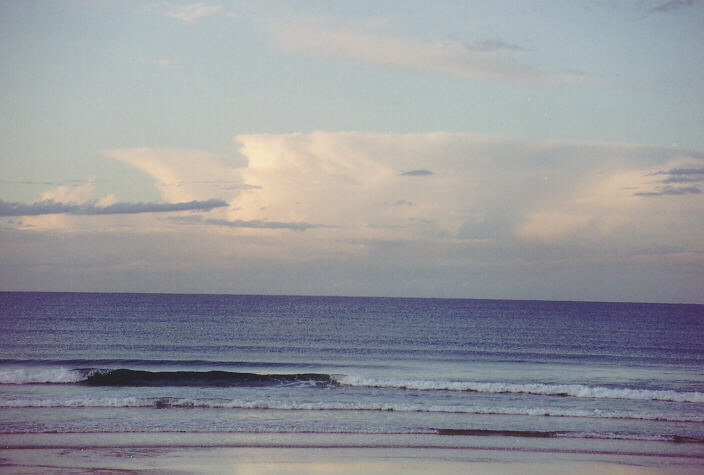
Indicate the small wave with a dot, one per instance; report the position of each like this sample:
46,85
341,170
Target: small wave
268,404
573,390
571,435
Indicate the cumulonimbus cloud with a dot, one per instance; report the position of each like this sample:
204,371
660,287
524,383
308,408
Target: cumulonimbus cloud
46,207
481,187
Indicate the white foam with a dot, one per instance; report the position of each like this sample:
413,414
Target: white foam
574,390
75,402
133,402
40,375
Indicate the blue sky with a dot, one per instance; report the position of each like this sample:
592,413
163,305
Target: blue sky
547,150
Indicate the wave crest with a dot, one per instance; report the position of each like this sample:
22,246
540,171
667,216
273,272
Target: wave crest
573,390
130,377
268,404
31,375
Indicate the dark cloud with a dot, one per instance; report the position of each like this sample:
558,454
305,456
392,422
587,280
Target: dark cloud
682,179
681,175
402,203
47,183
681,171
27,182
418,173
669,190
674,5
252,224
54,207
496,44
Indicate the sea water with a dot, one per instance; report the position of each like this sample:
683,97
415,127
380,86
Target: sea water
439,371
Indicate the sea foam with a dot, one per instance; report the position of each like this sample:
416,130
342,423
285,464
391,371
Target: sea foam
30,375
573,390
287,405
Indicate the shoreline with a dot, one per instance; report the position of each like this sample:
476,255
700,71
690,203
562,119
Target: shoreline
339,453
330,460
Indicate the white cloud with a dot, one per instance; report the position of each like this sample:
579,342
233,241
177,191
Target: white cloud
347,189
185,175
333,212
492,59
526,190
70,194
193,11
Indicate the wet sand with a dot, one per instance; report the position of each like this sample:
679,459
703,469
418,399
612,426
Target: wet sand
280,454
320,460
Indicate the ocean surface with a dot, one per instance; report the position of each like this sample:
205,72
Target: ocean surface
620,377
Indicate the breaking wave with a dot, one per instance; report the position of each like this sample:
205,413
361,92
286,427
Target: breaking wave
287,405
573,390
218,378
130,377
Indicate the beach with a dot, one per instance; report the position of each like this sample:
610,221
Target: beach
211,453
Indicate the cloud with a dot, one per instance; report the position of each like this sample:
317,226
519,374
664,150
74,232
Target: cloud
251,224
492,59
193,11
500,217
28,182
421,172
186,175
497,44
682,175
670,190
682,179
674,5
483,187
47,207
682,171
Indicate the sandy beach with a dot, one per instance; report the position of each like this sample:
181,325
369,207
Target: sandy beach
301,453
322,460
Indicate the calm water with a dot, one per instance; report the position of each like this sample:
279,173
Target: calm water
439,369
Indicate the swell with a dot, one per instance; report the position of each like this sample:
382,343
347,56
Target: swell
679,439
143,378
504,433
130,377
33,363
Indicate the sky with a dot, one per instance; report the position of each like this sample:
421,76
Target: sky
455,149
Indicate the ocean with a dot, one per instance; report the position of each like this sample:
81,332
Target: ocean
617,378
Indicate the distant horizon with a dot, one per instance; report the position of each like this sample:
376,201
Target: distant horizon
345,296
